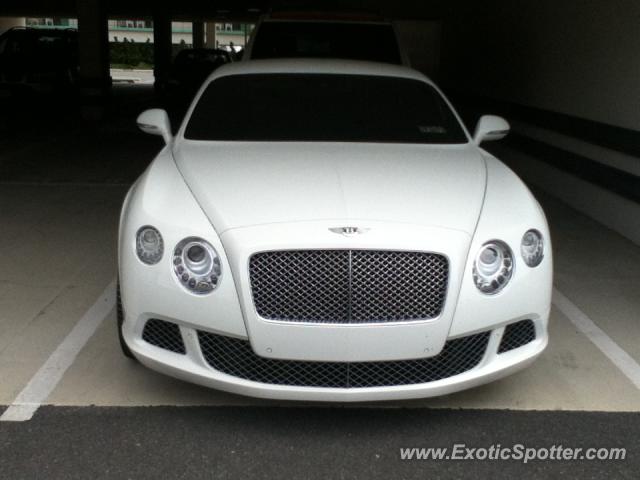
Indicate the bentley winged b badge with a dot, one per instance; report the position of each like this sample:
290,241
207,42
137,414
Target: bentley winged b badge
349,231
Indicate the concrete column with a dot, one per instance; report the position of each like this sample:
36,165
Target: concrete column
198,34
93,56
211,34
161,48
8,22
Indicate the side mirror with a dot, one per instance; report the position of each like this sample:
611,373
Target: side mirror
491,128
155,122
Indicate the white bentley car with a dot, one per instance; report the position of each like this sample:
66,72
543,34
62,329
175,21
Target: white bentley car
328,230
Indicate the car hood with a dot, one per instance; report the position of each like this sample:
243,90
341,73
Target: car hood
241,184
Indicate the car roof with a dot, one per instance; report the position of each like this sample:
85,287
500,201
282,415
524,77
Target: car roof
319,66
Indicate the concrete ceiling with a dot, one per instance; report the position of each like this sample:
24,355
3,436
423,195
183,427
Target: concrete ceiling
234,9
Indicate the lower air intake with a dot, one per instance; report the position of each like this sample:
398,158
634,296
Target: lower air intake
164,335
517,335
235,357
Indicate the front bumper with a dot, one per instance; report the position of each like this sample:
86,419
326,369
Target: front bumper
193,367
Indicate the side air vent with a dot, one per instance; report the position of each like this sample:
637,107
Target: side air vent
164,335
517,335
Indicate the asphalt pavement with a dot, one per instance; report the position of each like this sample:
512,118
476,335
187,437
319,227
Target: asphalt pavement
305,443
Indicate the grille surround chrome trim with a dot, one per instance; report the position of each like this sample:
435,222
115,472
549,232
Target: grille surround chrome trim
443,294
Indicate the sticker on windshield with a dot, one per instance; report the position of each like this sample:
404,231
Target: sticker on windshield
432,129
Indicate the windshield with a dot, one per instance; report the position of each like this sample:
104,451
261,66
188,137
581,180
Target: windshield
323,107
353,41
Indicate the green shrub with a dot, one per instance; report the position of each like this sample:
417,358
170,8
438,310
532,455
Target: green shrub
131,54
136,55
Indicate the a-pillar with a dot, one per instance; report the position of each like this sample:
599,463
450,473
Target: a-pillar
93,58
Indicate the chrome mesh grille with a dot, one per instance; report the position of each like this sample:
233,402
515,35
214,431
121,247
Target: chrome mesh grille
164,335
348,286
516,335
235,357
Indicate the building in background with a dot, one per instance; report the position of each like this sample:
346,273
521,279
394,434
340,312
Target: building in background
141,31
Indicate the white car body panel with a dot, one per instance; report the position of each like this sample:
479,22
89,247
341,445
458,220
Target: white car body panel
250,197
293,182
510,209
152,290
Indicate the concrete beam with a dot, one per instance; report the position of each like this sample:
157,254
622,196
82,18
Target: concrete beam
93,56
211,34
198,34
161,48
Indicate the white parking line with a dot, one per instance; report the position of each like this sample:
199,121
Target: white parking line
46,379
621,359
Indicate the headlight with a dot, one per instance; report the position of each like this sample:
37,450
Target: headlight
532,248
493,267
149,245
197,265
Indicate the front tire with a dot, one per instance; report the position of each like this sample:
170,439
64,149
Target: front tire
120,314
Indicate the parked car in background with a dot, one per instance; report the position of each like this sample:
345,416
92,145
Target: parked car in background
192,66
40,60
328,230
352,36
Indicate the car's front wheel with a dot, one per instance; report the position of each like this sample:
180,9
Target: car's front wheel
120,314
